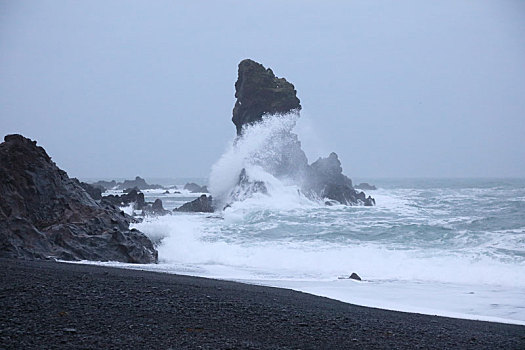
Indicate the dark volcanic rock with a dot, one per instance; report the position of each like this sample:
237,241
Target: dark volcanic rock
139,183
156,208
258,92
326,179
133,196
329,170
194,188
365,186
45,214
246,187
355,276
203,204
128,190
105,185
93,191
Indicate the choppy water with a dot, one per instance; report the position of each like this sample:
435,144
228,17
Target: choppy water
439,246
449,247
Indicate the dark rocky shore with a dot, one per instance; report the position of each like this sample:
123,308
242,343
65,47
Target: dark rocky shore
49,305
46,214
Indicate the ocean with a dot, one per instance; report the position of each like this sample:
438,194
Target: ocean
450,247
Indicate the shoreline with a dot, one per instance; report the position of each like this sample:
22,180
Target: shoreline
61,305
302,286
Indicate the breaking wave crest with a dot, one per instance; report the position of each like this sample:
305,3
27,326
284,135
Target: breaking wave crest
260,151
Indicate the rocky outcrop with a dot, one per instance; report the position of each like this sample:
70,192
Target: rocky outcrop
132,196
353,276
94,192
246,187
139,183
203,204
327,180
365,186
259,92
194,188
105,185
135,197
156,208
45,214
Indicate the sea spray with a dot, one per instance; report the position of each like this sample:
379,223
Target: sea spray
268,151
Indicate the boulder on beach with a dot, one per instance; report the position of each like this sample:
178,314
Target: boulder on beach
44,214
353,276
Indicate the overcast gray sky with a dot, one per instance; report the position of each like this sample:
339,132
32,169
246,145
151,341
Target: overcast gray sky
396,88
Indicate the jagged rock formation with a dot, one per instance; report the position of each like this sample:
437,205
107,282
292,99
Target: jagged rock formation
135,197
365,186
156,208
132,196
327,180
246,187
203,204
45,214
258,92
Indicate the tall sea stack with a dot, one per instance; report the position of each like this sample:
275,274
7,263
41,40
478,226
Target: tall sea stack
259,92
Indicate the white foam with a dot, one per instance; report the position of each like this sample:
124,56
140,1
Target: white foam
252,244
129,209
260,146
453,300
193,239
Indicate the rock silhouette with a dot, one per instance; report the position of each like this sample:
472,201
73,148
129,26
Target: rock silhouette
258,92
203,204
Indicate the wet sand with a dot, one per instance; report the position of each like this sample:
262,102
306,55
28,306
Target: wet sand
49,305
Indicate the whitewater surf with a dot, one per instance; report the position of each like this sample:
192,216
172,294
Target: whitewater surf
453,247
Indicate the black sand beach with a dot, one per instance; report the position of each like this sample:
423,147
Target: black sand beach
49,305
